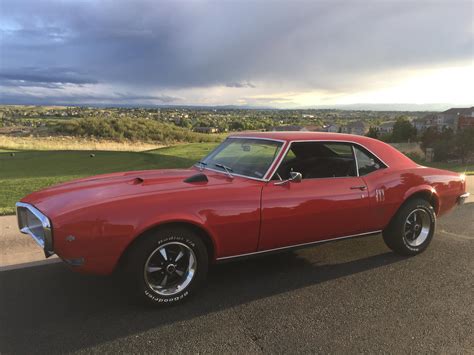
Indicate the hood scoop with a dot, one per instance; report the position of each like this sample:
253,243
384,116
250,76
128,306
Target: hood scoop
196,178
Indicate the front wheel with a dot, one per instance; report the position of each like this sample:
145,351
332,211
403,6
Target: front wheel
411,230
166,267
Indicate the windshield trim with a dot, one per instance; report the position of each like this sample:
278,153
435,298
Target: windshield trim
275,159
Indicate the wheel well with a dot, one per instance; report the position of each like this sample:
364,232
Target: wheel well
427,196
201,233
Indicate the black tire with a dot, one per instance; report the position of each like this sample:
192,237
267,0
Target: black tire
147,253
407,236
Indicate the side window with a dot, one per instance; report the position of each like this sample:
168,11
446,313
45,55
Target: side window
318,160
366,161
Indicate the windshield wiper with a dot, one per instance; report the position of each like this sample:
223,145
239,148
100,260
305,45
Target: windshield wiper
201,165
226,168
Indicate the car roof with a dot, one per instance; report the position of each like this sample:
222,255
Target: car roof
300,135
388,154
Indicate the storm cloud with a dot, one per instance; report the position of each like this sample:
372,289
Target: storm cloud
164,46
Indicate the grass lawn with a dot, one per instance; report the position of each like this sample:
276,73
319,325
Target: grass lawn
28,171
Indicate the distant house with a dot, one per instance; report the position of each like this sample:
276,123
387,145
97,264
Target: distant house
386,127
288,128
314,128
465,122
446,119
206,129
356,127
332,128
423,123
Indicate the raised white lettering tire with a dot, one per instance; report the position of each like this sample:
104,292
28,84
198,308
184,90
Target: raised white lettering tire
167,266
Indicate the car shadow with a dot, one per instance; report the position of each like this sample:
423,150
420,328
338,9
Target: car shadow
50,309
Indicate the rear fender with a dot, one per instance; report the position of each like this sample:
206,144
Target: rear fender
424,191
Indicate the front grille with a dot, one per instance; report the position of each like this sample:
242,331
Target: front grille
34,223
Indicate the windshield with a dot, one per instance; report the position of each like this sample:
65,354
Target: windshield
243,156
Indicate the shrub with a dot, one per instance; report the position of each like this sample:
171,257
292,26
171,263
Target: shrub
120,129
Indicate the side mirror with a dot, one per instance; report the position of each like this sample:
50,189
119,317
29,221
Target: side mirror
294,177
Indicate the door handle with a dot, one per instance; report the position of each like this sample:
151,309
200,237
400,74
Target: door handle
361,187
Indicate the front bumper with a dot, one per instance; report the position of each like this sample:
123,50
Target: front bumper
33,222
461,199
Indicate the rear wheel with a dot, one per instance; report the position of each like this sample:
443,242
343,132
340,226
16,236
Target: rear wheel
411,230
166,267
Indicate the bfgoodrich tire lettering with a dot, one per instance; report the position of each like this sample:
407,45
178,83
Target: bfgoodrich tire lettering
412,228
167,266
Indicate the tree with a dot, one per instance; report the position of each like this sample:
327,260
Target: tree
403,130
464,143
373,132
429,137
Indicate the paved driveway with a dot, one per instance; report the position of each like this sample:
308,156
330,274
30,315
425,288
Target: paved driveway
349,296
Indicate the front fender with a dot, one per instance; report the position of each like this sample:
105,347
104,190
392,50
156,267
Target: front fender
173,218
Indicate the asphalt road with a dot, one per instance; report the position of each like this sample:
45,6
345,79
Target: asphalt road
349,296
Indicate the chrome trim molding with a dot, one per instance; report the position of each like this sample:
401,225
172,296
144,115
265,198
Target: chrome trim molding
47,243
298,245
331,141
280,157
245,176
462,198
355,159
261,138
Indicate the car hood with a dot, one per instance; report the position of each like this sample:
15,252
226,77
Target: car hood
86,192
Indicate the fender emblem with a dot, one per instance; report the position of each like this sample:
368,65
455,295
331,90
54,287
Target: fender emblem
379,195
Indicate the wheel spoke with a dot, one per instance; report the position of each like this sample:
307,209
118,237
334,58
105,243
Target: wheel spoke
153,268
163,253
163,282
170,268
179,256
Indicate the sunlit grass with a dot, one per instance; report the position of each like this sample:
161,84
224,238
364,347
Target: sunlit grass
8,143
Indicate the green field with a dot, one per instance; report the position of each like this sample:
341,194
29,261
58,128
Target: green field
27,171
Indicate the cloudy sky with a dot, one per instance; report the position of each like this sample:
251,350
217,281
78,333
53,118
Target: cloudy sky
258,53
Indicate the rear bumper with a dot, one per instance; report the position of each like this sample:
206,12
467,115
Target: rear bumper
462,198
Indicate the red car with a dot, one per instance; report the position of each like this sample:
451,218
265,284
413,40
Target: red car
255,193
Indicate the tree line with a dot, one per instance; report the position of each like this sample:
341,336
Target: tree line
446,143
137,129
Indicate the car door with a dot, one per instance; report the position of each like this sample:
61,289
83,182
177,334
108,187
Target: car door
327,203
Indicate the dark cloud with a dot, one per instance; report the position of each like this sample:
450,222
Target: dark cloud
43,77
241,85
78,99
319,45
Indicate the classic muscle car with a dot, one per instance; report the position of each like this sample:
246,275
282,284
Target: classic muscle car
255,193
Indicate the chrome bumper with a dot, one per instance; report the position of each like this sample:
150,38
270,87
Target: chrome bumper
34,223
462,198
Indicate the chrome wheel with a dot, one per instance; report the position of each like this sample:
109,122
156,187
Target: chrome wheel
170,268
417,227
